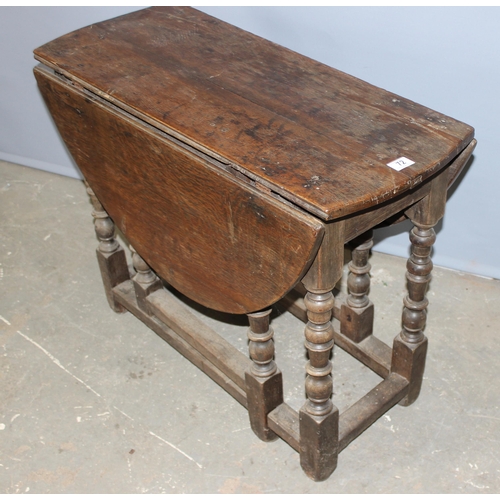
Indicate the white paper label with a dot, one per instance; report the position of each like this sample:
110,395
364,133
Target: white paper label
400,163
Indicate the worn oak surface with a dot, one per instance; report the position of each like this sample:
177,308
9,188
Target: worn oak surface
217,154
215,238
317,136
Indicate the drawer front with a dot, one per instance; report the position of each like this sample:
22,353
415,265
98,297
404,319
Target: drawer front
215,238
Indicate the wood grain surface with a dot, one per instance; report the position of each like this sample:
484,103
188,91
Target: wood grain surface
236,169
215,238
317,136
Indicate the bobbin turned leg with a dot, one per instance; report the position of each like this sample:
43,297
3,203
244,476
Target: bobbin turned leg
357,312
410,346
145,281
264,381
319,418
110,254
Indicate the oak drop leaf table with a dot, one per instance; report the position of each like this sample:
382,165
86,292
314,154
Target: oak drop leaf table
238,170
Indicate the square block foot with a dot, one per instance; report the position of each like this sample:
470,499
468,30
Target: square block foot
319,443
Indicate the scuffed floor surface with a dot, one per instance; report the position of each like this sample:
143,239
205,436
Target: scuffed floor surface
93,402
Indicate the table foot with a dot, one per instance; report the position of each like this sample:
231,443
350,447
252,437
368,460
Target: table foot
264,382
357,312
110,255
319,443
145,281
408,360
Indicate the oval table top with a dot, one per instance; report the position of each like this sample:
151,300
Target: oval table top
316,136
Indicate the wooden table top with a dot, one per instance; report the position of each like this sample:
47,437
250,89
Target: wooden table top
314,135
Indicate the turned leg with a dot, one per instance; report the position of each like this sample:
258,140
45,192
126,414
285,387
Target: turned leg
410,346
145,281
264,380
110,254
319,418
357,312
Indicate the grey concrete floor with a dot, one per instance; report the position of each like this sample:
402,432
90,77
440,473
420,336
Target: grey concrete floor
94,402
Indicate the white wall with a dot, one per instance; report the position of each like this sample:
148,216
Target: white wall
27,133
446,58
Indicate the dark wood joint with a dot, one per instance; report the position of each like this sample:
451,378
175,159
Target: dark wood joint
326,269
357,323
430,210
